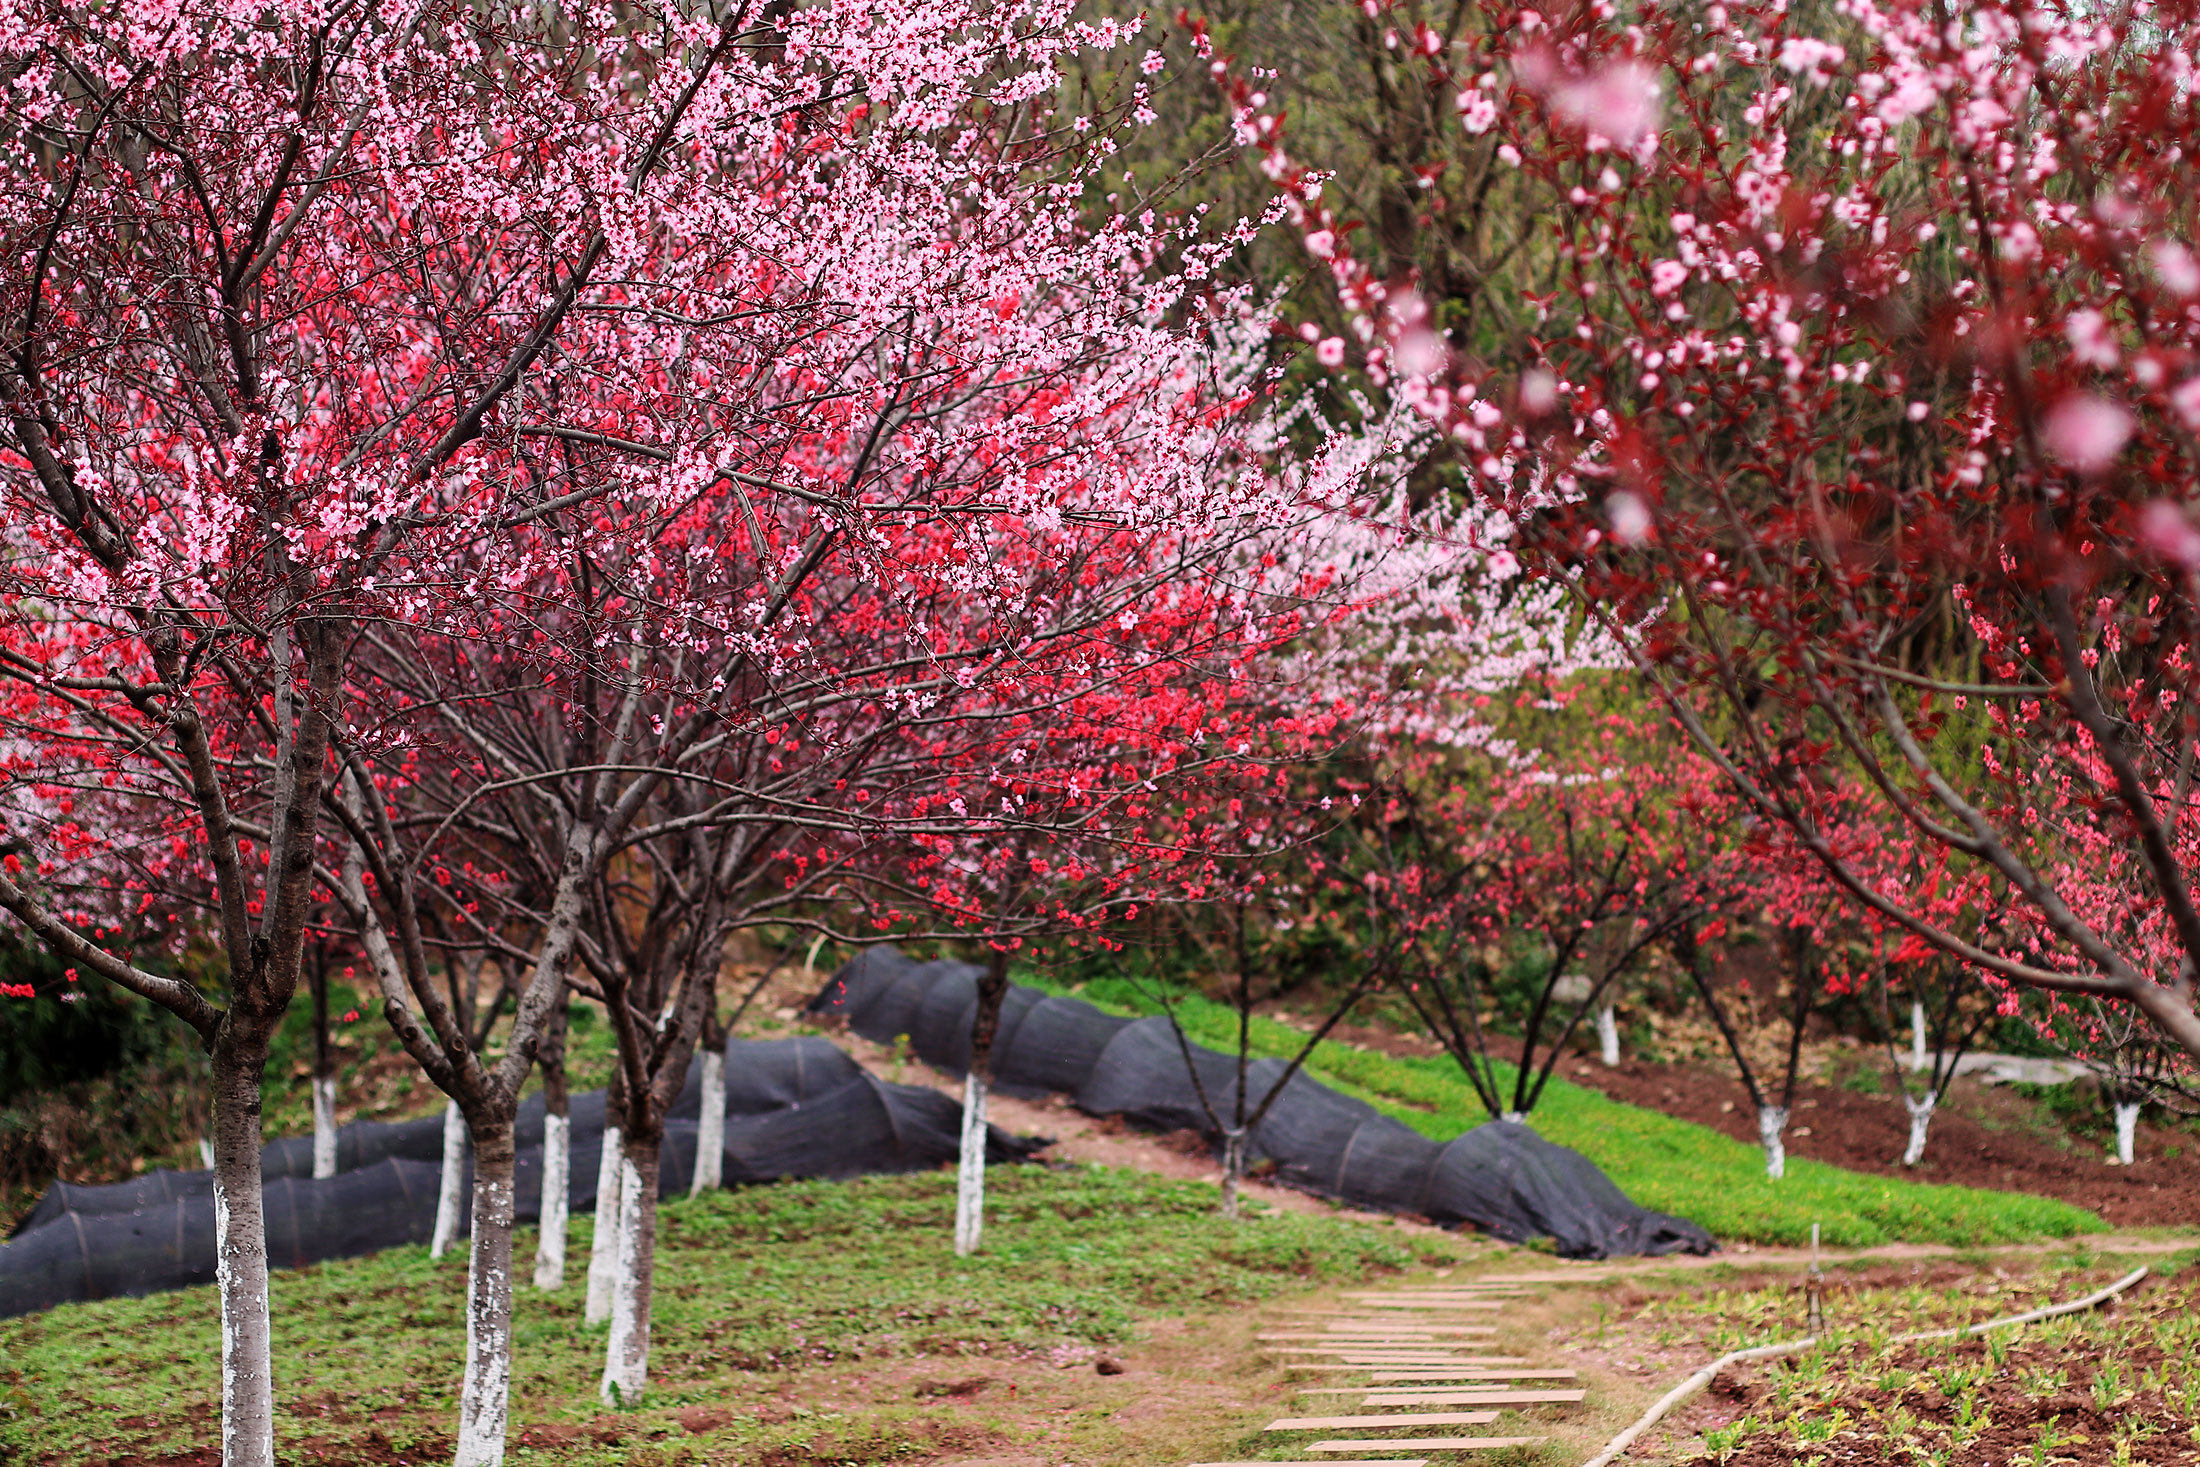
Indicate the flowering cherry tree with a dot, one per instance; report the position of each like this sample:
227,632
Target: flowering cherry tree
1851,390
590,341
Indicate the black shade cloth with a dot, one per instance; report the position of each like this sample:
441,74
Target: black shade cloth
795,1108
1500,1176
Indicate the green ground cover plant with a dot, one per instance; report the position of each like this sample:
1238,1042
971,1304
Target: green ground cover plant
1671,1165
759,1291
2109,1386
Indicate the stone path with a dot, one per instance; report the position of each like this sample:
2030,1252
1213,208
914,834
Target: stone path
1420,1362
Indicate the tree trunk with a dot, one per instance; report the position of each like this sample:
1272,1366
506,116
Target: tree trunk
1233,1170
985,1023
484,1398
1917,1034
454,1174
710,1135
970,1166
1921,1120
324,1075
1608,1036
2127,1129
557,1186
557,1153
324,1126
603,1245
626,1349
240,1257
1771,1133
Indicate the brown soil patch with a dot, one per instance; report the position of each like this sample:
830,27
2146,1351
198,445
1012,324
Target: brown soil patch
2066,1400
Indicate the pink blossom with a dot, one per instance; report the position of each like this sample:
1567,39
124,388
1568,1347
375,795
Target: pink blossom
2168,531
1538,392
1667,276
2090,339
1812,58
1620,103
2175,264
2185,398
1330,352
1630,517
2087,432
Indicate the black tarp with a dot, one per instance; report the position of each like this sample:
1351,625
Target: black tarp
795,1108
1500,1176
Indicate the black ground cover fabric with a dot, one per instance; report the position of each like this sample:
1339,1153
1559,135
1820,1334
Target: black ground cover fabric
1500,1176
795,1108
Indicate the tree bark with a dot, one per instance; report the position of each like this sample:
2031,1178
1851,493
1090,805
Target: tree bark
324,1126
240,1242
985,1022
453,1177
603,1244
557,1155
2127,1129
1608,1036
1233,1170
324,1076
1771,1134
710,1135
626,1349
1921,1120
1917,1034
484,1397
970,1166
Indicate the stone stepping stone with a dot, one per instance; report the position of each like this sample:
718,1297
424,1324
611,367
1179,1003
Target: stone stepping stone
1474,1398
1348,1423
1403,1375
1374,1341
1425,1444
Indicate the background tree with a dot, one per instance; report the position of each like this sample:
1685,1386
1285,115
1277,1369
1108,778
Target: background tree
1863,421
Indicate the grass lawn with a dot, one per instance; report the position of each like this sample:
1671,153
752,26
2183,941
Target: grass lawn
1671,1165
808,1323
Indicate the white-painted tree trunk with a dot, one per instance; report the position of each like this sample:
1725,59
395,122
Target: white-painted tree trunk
1772,1135
626,1348
1918,1059
710,1135
1233,1172
240,1267
1608,1036
449,1194
557,1186
1921,1120
603,1246
485,1394
206,1154
324,1126
2127,1129
970,1169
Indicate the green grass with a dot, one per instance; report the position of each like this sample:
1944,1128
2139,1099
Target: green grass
1671,1165
758,1291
